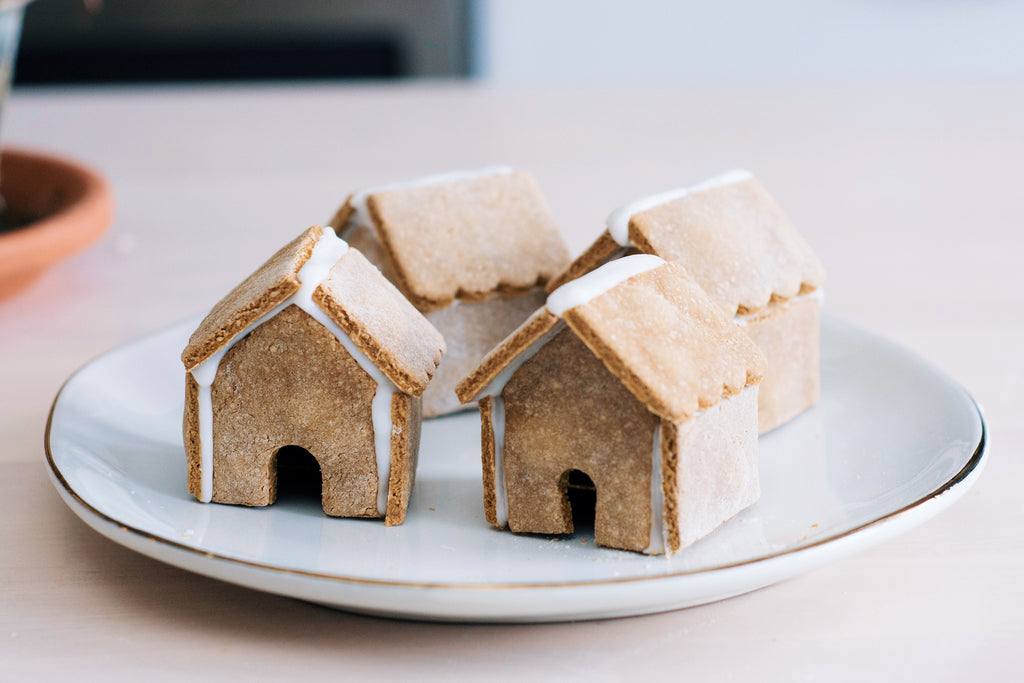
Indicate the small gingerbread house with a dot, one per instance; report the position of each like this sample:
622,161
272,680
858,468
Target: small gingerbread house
471,249
632,376
315,349
736,242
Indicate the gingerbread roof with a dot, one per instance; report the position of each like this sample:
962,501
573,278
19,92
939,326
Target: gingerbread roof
656,330
463,235
727,232
382,324
257,295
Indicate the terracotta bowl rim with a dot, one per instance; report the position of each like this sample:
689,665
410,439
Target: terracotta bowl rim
81,221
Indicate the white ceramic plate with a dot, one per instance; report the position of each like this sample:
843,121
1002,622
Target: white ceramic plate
892,442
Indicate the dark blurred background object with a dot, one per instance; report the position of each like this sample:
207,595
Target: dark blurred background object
134,41
594,43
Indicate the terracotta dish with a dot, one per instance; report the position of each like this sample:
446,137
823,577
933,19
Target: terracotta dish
64,206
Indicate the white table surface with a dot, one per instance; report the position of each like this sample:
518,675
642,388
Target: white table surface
911,196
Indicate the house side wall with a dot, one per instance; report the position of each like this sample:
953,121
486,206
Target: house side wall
788,336
190,430
603,249
364,238
670,485
487,458
291,382
406,418
713,471
564,410
470,330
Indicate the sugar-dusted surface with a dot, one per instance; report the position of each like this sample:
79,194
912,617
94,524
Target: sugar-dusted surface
671,346
381,322
788,335
469,237
618,220
471,329
735,240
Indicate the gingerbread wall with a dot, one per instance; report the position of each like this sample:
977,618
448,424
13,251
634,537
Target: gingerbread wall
292,383
563,411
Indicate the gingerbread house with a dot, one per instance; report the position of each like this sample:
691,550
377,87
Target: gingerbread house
632,376
736,242
315,349
471,249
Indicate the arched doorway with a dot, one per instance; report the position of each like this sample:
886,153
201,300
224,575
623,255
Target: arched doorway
581,495
298,475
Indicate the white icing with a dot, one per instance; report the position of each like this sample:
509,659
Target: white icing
494,389
618,220
599,281
656,545
496,385
361,215
818,294
205,406
571,294
380,408
328,249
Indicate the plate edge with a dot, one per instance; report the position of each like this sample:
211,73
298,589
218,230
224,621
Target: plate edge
972,466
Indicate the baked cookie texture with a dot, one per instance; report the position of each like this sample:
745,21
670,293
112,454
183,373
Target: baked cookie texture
315,349
472,250
736,242
643,384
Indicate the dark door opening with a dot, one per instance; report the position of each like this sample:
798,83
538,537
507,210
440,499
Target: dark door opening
582,495
298,475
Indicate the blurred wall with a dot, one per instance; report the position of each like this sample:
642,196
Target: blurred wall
153,40
747,41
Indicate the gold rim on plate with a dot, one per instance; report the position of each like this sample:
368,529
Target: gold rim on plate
969,467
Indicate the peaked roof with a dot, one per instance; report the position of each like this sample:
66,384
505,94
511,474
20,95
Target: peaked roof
369,309
730,235
462,235
658,332
257,295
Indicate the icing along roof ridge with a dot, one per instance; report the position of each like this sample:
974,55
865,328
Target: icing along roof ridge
735,240
254,297
358,198
618,220
598,281
654,329
680,355
396,339
505,354
381,322
462,235
729,234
